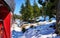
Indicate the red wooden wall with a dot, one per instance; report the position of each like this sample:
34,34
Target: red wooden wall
5,15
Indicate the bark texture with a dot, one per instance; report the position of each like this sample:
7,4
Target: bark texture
58,17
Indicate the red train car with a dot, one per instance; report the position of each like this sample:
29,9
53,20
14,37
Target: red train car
6,8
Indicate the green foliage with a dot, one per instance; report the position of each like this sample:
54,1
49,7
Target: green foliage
36,10
16,16
48,7
23,12
29,12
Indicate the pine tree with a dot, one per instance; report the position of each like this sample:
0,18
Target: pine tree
43,7
48,7
51,10
23,12
36,10
29,10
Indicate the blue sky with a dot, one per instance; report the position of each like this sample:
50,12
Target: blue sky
18,5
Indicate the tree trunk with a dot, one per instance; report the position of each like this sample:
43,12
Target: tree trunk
58,18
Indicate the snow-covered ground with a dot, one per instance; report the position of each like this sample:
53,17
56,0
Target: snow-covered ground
40,31
16,28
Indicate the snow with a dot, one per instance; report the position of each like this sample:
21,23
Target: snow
43,30
27,27
22,37
45,22
33,37
16,28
